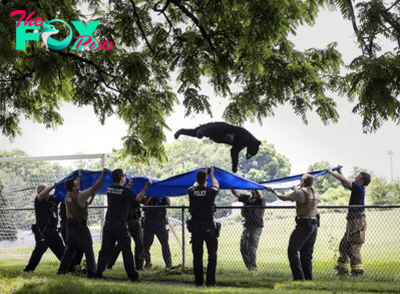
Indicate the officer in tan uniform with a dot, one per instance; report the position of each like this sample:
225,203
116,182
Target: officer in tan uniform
304,235
78,234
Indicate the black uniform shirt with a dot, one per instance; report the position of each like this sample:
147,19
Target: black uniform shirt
46,212
156,213
357,197
201,201
119,203
253,216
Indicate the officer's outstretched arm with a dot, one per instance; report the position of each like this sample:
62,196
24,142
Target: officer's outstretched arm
213,179
236,193
84,195
259,194
78,179
90,200
99,181
140,196
346,183
278,194
45,193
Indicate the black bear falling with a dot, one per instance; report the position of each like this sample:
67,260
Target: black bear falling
224,133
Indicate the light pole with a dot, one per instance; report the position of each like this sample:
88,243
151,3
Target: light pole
391,162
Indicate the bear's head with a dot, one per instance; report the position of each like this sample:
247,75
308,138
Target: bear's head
252,149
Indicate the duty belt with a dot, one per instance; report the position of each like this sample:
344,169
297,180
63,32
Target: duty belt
355,215
306,217
116,223
74,223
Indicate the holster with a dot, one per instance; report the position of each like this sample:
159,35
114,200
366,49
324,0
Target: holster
134,216
318,219
308,223
217,228
38,231
189,225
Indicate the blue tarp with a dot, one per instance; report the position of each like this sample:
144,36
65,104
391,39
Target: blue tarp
178,185
289,182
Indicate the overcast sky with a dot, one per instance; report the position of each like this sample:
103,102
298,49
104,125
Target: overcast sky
342,143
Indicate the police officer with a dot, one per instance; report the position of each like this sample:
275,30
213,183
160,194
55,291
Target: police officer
252,226
304,235
45,229
78,233
136,232
354,237
202,227
78,255
116,229
155,223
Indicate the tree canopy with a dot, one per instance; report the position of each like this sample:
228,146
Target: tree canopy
373,78
227,42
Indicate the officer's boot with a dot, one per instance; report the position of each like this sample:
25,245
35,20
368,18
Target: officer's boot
355,273
342,271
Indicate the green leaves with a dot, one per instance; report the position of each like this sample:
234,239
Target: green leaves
194,102
375,80
374,76
222,42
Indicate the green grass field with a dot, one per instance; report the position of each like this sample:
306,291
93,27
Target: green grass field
381,256
45,281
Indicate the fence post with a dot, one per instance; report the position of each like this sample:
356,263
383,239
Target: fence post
183,238
103,198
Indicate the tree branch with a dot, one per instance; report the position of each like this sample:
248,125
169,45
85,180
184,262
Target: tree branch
87,61
393,5
196,21
137,18
395,25
203,32
355,28
171,26
23,77
163,9
371,43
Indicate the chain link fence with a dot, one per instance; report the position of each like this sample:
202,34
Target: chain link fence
380,252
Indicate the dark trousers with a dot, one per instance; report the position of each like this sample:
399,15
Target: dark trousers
78,237
302,240
157,228
248,246
204,232
51,240
135,229
78,255
113,232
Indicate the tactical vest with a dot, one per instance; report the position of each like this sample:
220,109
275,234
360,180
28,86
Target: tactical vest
309,207
74,211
